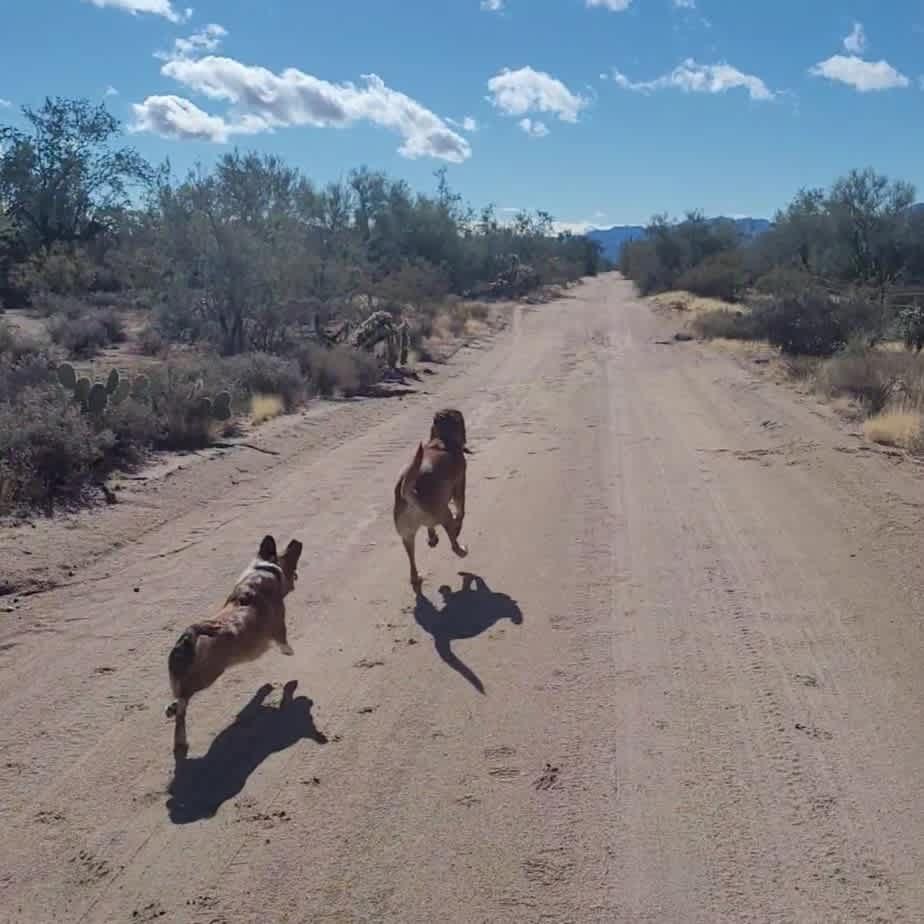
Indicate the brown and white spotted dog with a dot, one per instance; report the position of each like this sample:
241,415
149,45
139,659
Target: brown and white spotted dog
252,618
435,477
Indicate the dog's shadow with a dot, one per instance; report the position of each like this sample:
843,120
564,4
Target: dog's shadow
465,613
201,785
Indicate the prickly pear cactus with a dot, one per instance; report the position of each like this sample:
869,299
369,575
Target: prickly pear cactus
122,392
221,406
203,406
97,398
82,389
113,382
141,388
67,377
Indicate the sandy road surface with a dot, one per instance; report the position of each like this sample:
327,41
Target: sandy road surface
687,684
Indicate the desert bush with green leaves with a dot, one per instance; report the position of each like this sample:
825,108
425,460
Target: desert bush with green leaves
227,275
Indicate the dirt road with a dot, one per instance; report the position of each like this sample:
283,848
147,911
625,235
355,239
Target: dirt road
686,685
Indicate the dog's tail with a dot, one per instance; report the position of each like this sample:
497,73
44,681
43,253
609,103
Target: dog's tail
409,479
181,658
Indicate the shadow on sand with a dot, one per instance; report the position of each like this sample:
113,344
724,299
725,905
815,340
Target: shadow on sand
465,613
201,785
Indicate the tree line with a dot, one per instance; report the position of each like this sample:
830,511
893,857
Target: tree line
246,252
837,264
237,272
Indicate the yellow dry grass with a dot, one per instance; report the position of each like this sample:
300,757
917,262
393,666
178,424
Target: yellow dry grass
896,427
265,407
745,347
691,305
476,328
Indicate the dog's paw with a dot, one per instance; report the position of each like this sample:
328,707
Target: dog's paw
170,711
433,540
286,649
460,550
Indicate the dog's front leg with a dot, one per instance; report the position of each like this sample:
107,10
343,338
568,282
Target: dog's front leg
458,498
180,741
281,639
452,525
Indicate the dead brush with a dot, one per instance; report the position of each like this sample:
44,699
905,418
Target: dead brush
873,377
899,426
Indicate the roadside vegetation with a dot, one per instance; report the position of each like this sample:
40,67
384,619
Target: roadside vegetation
836,286
142,311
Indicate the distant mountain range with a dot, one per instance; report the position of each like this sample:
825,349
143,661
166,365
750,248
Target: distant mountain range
613,239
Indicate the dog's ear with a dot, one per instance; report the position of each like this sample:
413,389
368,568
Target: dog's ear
291,555
267,549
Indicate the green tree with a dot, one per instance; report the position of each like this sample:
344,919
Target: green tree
63,176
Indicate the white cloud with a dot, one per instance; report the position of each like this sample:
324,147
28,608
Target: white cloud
684,4
863,76
856,42
155,7
516,93
492,6
691,77
111,91
5,104
617,6
535,129
207,39
468,124
178,118
262,100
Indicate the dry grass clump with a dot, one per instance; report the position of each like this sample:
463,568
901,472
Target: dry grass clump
896,427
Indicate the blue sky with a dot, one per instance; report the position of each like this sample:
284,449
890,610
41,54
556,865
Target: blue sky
599,111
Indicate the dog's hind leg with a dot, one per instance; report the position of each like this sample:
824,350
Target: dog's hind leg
180,742
408,540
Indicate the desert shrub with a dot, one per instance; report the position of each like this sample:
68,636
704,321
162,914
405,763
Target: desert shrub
61,271
179,317
911,327
784,280
176,387
263,374
724,324
641,262
17,346
864,320
112,323
23,363
174,393
81,329
52,305
721,276
872,377
151,342
135,430
80,337
807,324
338,371
48,448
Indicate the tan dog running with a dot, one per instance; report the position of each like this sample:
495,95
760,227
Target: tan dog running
423,493
252,618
